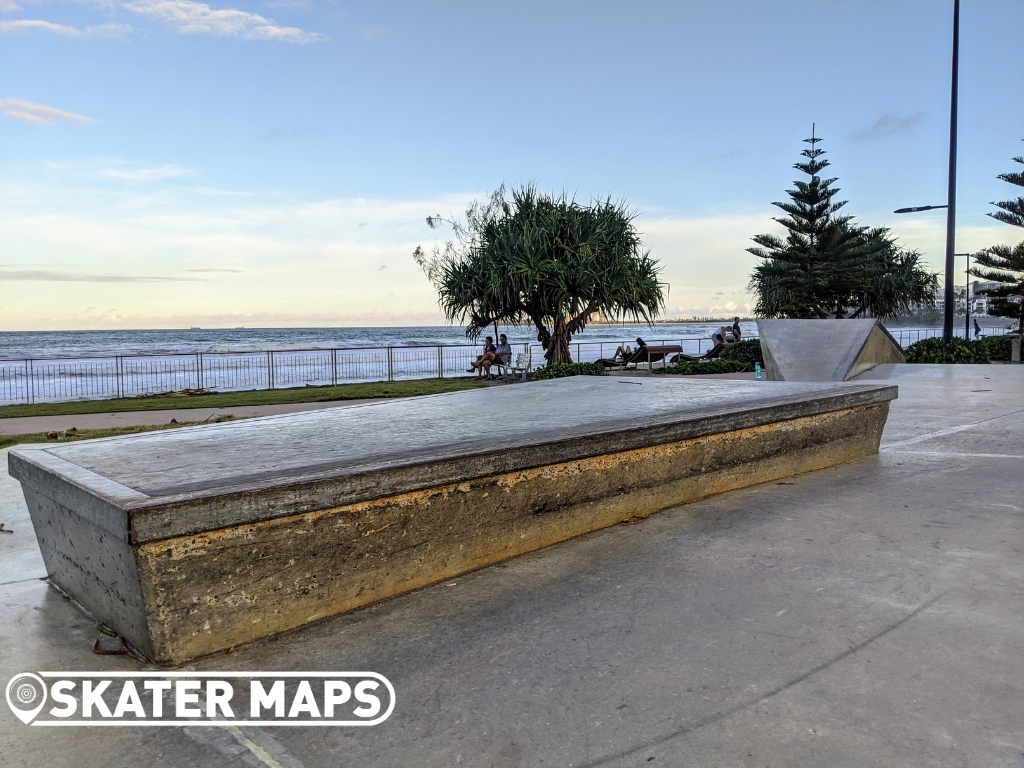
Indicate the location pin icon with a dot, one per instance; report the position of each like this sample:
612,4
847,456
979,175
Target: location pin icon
26,695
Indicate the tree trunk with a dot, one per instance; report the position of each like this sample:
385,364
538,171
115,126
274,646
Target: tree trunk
558,346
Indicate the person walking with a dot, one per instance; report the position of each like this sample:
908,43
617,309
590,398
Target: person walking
977,330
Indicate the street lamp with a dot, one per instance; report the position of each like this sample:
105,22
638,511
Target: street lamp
950,206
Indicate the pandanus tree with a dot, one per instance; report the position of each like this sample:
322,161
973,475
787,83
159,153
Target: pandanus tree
827,265
546,260
1004,264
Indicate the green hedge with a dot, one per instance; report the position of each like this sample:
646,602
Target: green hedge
998,347
745,351
561,370
959,351
693,367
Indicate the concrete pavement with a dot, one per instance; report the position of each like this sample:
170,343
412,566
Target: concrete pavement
869,614
27,425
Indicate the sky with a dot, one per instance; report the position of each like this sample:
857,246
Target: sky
173,163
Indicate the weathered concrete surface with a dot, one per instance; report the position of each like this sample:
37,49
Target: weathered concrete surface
201,539
825,350
27,425
866,615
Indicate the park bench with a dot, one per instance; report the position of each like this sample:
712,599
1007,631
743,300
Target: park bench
521,365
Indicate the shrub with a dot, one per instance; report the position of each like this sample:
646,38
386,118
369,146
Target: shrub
561,370
693,367
997,347
745,351
958,351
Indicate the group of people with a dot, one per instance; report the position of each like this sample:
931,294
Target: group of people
721,337
727,335
501,353
494,354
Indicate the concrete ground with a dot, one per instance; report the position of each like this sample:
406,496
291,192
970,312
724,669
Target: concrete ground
869,614
27,425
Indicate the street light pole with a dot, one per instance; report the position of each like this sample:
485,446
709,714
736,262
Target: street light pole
947,326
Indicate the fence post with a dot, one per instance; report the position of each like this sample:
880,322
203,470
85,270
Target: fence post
199,369
30,381
391,364
270,369
334,367
440,361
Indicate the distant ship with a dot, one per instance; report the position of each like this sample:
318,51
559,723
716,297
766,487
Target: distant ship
195,328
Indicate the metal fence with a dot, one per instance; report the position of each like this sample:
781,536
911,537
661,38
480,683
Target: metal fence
48,380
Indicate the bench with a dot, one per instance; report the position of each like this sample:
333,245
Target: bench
521,365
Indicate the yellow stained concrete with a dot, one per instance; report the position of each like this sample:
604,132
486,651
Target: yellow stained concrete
214,590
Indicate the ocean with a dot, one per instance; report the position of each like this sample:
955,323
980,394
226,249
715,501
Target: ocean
18,345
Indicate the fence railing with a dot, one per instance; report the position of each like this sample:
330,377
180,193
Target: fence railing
59,379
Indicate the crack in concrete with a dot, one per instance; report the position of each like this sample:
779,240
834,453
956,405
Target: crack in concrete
767,695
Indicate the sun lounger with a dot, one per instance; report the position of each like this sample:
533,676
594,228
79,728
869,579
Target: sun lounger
711,354
648,354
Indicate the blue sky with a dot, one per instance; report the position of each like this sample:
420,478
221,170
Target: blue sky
168,163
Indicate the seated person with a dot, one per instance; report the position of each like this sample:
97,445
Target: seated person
502,356
623,352
503,352
489,353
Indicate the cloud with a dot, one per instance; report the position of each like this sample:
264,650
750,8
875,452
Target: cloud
890,124
153,173
111,30
40,114
51,276
372,33
216,269
198,18
26,25
9,5
732,154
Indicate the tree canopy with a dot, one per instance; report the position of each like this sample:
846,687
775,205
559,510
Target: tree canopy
546,260
1004,264
829,265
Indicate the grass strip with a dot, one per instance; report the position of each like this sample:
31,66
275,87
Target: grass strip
73,435
247,398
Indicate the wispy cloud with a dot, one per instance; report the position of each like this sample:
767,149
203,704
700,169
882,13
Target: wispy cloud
372,33
53,276
152,173
111,30
193,18
890,124
9,5
28,25
40,114
216,269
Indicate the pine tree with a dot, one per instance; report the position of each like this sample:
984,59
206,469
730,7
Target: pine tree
796,276
827,265
1004,264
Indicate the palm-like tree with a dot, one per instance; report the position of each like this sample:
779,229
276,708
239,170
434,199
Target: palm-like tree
1004,264
545,260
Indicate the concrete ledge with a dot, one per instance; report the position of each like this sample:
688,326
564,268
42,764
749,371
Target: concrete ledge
242,552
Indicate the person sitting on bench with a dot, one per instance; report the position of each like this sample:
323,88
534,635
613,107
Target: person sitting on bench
490,352
502,356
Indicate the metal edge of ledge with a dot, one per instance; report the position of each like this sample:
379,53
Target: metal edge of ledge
252,500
